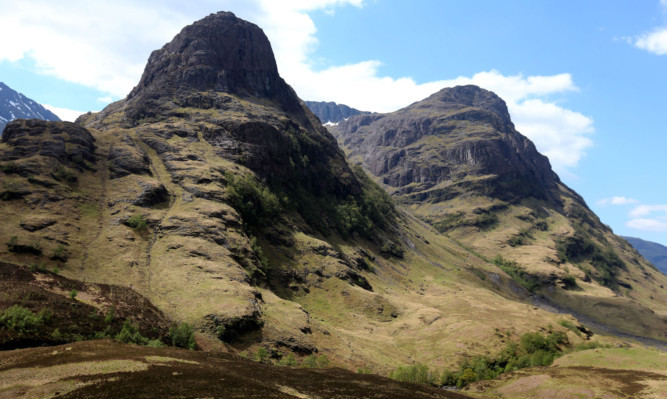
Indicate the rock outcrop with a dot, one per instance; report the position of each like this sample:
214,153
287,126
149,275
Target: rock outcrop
456,141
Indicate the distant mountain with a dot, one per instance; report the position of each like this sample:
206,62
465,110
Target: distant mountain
14,105
652,251
330,112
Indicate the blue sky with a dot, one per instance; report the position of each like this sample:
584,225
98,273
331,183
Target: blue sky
586,81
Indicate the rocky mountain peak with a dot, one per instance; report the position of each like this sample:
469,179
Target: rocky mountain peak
14,105
219,53
470,96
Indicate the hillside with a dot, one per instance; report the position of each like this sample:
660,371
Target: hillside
14,105
652,251
330,112
456,161
216,195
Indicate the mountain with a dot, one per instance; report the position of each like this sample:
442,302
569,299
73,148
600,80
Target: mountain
14,105
456,161
213,193
330,112
652,251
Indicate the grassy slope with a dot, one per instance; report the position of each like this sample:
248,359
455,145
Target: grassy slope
610,373
640,293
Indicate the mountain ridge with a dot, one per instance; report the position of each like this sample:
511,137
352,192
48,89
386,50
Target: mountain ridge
14,105
654,252
330,112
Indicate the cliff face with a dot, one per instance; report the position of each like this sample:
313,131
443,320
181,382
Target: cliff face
459,140
330,112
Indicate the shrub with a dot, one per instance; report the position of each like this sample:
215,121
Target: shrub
108,319
23,320
310,362
130,334
415,373
59,253
137,222
65,175
323,362
183,336
261,355
289,360
252,199
257,249
570,326
518,273
72,294
570,282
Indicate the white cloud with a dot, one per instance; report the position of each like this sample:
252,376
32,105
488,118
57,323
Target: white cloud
617,200
65,114
106,44
644,210
654,42
648,224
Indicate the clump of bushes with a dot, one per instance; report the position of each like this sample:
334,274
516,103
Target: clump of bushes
521,238
580,247
130,334
253,200
569,282
23,320
137,222
64,175
415,373
533,349
518,273
183,336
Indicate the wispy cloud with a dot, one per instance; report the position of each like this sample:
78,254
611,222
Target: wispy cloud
644,210
617,201
648,225
649,218
65,114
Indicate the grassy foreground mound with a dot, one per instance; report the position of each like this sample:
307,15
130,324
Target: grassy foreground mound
107,369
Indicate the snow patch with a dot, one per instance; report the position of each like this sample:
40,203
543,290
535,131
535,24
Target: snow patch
329,123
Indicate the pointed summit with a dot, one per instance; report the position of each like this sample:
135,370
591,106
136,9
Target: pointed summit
218,53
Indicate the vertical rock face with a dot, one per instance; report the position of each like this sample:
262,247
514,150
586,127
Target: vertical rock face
219,53
330,112
434,147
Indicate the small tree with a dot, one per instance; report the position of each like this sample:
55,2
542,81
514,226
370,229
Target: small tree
183,336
